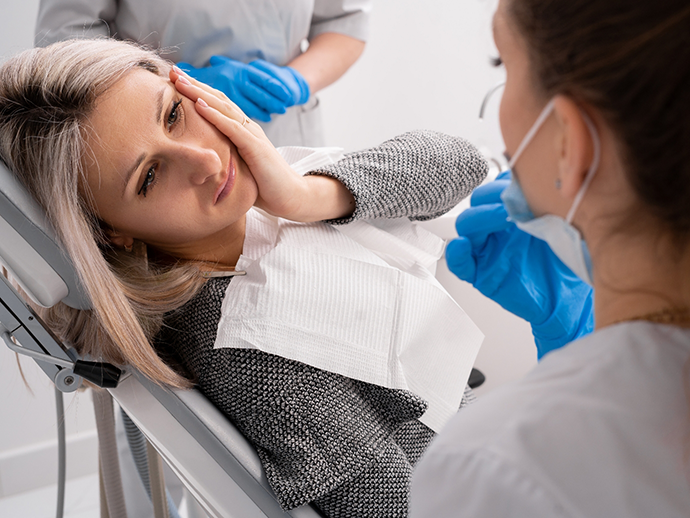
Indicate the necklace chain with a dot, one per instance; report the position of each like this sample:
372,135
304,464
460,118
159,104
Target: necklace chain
666,316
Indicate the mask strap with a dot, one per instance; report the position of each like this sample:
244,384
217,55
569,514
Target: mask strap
530,134
592,168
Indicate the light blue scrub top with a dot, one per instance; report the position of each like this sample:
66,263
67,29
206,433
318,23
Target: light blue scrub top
195,30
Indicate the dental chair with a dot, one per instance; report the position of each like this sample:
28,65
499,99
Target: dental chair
212,459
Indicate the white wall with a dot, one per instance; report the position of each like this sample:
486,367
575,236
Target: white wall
425,66
16,26
28,425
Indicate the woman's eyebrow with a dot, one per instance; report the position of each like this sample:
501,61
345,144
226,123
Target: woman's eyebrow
140,159
131,172
159,104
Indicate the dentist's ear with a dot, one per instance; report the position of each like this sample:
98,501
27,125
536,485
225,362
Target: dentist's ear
575,145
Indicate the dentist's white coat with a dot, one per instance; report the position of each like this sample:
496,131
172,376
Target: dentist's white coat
598,429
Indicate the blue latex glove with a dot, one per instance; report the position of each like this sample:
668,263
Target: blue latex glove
519,271
257,93
289,77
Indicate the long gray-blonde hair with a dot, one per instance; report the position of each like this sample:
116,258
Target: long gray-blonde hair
46,97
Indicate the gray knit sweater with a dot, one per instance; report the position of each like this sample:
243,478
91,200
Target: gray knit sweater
343,444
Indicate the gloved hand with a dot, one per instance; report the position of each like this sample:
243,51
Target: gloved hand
519,271
257,93
289,77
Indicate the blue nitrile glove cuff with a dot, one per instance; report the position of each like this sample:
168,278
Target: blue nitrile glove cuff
519,271
291,79
304,89
546,335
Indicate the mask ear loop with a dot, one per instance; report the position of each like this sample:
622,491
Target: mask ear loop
532,131
592,168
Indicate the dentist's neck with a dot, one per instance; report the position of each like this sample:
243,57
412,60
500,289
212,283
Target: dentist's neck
637,274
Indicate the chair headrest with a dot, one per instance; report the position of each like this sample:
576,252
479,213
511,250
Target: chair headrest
30,250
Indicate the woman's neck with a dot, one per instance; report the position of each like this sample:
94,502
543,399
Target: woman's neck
219,251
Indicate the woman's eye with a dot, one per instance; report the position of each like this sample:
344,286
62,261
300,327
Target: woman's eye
496,61
174,115
148,181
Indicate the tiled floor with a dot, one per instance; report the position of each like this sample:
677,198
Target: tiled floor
81,501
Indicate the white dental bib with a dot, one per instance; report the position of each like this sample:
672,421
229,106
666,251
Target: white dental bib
358,300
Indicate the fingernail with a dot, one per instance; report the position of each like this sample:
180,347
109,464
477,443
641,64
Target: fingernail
178,70
184,80
202,102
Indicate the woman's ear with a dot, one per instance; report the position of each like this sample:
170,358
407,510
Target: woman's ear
575,145
119,239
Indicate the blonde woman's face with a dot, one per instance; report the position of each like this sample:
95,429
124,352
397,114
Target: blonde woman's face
160,173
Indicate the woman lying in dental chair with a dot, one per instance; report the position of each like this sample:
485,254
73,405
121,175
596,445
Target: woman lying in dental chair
164,194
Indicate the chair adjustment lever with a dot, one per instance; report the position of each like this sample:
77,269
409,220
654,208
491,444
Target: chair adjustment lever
101,374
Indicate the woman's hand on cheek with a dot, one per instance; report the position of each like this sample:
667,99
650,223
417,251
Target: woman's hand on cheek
282,192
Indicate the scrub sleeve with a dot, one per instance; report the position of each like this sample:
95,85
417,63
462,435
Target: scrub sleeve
243,30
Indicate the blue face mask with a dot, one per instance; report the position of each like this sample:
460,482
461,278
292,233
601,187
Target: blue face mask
563,238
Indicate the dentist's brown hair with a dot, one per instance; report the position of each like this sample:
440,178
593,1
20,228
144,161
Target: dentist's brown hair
629,59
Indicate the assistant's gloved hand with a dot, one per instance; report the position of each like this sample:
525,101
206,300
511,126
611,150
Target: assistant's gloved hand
519,271
289,77
257,93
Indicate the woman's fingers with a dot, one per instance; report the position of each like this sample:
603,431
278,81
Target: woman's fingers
221,112
176,73
247,136
281,189
194,90
235,125
222,105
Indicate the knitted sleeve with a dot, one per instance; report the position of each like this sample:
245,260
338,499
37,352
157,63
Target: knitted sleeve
420,175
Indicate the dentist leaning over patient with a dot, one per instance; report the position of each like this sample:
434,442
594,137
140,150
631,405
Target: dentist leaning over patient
595,117
251,50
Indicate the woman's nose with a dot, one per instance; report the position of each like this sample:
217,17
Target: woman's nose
200,163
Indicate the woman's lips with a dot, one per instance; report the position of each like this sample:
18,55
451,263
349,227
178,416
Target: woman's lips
226,186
